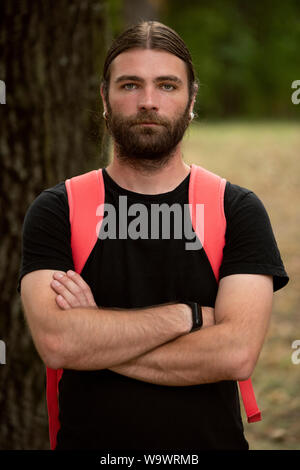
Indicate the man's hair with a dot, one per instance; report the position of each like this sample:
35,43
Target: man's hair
150,35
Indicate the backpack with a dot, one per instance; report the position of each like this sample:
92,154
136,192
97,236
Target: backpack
85,193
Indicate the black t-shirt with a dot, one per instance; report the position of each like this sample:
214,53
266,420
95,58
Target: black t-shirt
105,410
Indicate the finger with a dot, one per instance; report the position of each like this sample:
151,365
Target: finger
73,288
62,303
85,288
63,273
66,293
76,286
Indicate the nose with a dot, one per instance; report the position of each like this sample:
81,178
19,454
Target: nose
148,100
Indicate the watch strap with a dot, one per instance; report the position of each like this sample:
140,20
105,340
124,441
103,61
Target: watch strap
196,315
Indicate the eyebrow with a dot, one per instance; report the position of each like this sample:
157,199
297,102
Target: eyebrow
135,78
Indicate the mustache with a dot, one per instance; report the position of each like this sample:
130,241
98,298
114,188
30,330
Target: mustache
147,117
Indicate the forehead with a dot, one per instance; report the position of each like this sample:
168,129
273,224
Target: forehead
147,64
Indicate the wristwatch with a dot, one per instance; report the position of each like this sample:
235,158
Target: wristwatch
196,314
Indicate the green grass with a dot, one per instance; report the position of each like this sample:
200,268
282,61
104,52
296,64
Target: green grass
265,157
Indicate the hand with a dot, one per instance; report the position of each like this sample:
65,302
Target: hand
208,315
72,290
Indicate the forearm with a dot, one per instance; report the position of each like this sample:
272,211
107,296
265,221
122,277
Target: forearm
92,339
205,356
227,350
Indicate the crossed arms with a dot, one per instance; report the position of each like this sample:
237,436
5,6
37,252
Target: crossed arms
152,344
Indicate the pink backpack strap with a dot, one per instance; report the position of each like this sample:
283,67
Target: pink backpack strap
85,194
53,376
207,190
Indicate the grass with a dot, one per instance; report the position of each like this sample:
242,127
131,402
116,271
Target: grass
265,157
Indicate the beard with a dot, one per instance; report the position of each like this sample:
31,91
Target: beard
146,146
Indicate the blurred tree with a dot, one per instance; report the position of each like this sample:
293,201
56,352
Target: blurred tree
125,13
51,129
139,10
246,54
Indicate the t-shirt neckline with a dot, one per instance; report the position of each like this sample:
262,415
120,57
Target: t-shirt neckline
170,195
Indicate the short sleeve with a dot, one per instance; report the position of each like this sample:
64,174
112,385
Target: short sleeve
250,245
46,234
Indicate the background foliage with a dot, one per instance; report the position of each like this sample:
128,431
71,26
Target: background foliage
246,53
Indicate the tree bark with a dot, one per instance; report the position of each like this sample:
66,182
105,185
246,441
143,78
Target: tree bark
51,129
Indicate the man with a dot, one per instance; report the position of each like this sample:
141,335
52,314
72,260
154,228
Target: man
134,376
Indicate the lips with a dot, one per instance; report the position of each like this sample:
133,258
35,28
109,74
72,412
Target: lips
146,121
147,124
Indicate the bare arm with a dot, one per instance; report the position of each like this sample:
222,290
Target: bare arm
87,338
226,351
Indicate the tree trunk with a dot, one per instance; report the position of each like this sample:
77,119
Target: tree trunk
51,129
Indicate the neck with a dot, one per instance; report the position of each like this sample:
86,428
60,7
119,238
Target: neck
146,176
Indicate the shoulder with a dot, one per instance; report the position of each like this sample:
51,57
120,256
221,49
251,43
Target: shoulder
246,216
250,244
56,194
51,201
238,199
46,233
47,215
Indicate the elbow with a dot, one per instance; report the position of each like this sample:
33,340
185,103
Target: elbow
244,366
51,353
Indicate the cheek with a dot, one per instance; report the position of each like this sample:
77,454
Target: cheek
173,107
123,104
174,103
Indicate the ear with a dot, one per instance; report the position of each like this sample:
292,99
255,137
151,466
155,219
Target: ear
103,98
194,97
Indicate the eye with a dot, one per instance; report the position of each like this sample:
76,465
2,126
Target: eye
168,87
129,86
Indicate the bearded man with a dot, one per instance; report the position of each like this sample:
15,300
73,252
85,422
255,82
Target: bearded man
137,373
